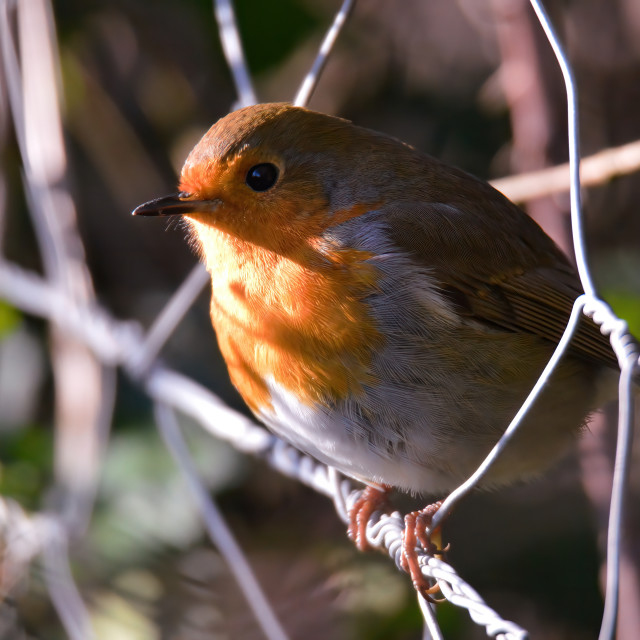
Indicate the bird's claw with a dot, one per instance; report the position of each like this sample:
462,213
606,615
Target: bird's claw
372,499
417,536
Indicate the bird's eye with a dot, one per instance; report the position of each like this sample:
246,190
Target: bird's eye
262,176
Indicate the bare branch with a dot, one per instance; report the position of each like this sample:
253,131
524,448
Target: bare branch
595,170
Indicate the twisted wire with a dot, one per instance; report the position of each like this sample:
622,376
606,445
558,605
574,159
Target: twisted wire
125,344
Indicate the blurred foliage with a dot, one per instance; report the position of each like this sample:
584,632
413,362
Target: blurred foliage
271,31
619,278
626,304
142,81
26,464
9,319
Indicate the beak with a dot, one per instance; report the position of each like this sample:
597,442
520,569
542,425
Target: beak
176,204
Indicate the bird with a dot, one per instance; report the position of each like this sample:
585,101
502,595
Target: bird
380,310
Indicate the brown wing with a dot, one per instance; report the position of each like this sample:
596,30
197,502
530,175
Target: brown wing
498,268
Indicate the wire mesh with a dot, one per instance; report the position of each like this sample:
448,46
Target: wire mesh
63,296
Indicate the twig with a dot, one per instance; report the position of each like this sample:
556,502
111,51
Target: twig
595,170
44,534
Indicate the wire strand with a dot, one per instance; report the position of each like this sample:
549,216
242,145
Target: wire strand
313,76
472,482
216,526
620,477
169,318
234,52
577,227
114,343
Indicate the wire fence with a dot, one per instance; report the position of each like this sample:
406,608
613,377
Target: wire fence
84,330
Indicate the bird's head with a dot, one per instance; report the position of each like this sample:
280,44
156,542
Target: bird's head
277,175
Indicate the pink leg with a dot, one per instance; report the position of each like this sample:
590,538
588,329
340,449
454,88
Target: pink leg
372,499
416,524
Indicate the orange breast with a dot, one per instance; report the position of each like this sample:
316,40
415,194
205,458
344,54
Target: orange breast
301,319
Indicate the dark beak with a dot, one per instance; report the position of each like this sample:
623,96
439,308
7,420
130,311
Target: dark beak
176,204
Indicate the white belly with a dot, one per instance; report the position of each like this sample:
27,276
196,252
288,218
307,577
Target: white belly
332,438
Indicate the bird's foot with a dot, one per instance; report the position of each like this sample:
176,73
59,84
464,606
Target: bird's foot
373,498
417,536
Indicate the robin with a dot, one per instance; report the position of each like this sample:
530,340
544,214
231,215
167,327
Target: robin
380,310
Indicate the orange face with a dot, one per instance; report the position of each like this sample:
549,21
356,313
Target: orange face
309,184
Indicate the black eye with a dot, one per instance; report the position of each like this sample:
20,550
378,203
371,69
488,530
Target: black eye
262,176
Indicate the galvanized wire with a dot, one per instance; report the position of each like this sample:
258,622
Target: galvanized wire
125,344
172,389
311,79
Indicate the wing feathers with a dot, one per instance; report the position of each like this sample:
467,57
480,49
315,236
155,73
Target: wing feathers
497,279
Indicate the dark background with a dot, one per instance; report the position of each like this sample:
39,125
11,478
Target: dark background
472,82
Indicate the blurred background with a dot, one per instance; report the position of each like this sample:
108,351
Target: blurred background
472,82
